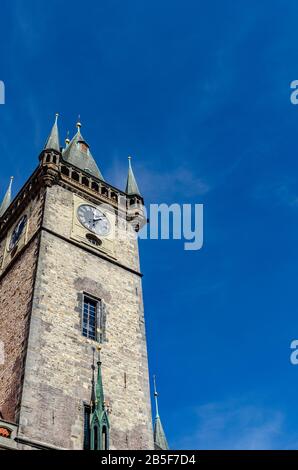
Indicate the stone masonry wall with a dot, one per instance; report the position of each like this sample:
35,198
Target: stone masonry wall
16,286
58,368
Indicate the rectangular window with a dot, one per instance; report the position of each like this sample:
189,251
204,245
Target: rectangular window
90,317
87,413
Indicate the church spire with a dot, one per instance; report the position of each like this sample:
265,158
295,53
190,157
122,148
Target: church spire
7,199
93,398
160,440
53,139
99,395
156,397
78,154
100,425
131,185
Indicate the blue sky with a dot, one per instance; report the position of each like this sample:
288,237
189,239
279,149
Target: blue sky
198,92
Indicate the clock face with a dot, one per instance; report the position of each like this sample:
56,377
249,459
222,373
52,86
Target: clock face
94,220
18,232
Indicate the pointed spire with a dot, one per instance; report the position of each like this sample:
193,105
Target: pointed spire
67,141
7,199
99,420
99,395
79,125
131,185
160,440
53,139
78,154
93,398
156,397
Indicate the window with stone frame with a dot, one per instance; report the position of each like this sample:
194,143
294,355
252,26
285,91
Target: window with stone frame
92,318
93,322
87,431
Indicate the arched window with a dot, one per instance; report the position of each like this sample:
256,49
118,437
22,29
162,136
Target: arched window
96,447
65,171
75,176
104,191
105,440
87,413
95,186
85,181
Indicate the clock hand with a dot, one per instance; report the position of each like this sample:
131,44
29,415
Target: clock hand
93,222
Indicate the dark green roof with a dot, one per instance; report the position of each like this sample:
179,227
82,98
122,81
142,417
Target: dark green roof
7,199
160,440
52,142
131,185
80,156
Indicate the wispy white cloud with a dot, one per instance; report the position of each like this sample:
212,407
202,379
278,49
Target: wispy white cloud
279,192
235,425
180,182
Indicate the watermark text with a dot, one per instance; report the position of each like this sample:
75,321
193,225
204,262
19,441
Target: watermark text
2,92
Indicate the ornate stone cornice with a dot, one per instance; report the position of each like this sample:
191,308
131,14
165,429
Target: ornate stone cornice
54,170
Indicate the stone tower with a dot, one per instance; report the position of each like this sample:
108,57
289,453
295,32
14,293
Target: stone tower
70,285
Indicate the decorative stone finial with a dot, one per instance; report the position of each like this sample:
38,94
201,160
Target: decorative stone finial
67,140
79,125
